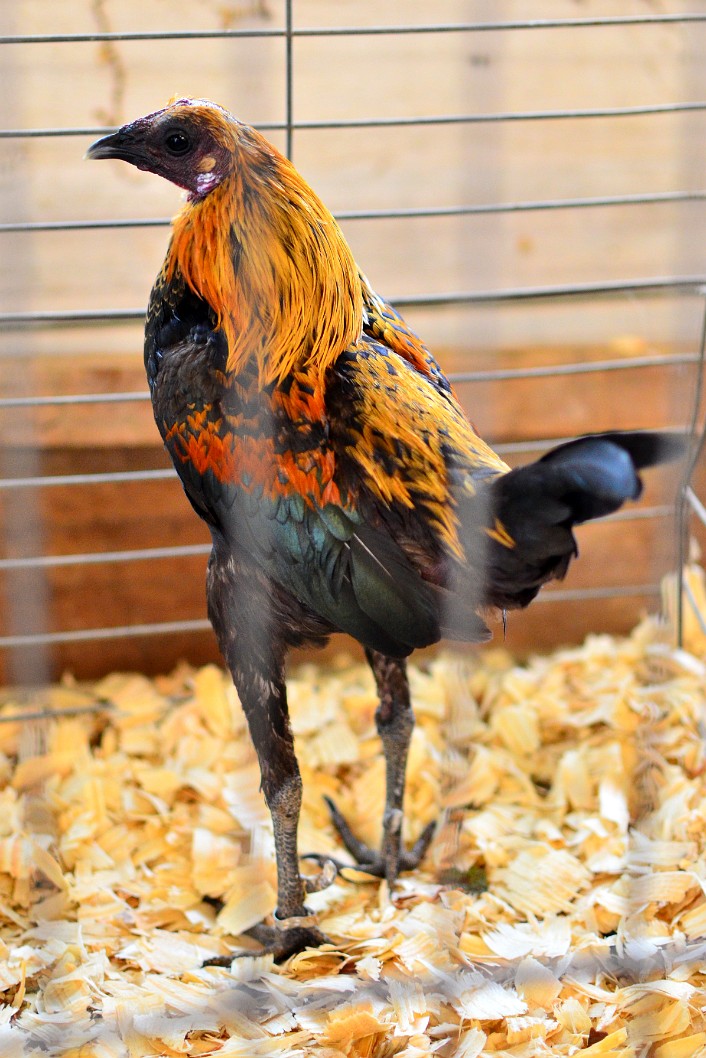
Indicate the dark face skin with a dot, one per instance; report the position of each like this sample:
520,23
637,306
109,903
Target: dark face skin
178,143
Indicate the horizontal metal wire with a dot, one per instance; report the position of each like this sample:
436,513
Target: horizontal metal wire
203,625
657,285
554,370
457,377
545,443
84,225
24,715
72,399
112,477
118,632
696,505
96,130
630,514
617,591
695,284
10,319
505,117
93,558
194,550
405,122
359,31
411,213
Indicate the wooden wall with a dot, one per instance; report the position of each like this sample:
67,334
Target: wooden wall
87,85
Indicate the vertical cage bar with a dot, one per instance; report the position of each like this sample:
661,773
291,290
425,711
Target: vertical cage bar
289,76
696,444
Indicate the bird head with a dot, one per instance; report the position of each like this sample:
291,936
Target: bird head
253,240
190,142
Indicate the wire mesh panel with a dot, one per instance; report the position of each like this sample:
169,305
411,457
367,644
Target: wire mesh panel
529,191
525,190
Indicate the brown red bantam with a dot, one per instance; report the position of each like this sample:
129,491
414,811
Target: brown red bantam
320,441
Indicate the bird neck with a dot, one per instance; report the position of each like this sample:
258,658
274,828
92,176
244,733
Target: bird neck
272,263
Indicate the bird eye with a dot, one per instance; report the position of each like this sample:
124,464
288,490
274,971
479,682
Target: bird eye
177,143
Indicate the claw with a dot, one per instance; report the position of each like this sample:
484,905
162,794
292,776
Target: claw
416,854
326,877
359,868
358,849
391,859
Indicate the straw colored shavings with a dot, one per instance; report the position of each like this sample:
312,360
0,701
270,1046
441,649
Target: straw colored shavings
577,782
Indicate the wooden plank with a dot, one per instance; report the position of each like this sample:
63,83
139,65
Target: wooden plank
126,516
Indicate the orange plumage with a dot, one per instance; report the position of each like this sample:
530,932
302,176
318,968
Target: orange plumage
278,306
319,439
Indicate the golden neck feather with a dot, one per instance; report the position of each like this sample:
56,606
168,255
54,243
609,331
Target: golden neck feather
272,263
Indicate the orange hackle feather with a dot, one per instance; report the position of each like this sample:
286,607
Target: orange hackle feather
268,257
294,301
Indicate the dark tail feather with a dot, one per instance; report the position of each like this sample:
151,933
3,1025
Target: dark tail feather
535,507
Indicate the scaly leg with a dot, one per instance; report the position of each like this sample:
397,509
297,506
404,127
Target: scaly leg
257,666
395,721
265,705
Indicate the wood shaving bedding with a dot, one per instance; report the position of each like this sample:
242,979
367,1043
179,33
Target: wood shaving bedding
576,781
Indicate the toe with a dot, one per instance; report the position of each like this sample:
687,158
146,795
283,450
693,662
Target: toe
358,849
278,942
411,858
326,876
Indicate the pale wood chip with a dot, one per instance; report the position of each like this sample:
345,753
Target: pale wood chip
537,984
576,781
517,727
336,744
550,937
470,1044
663,887
542,880
691,1046
351,1024
408,1001
611,1046
662,1021
217,701
244,909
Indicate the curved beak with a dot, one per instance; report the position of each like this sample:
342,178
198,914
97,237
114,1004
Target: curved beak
128,144
113,146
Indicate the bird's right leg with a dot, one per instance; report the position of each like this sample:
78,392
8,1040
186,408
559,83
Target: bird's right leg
256,663
395,721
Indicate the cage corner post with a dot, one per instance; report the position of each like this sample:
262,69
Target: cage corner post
26,659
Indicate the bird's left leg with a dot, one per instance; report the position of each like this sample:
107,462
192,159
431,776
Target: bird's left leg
263,697
255,657
395,720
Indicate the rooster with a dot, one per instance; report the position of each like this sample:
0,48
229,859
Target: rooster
343,486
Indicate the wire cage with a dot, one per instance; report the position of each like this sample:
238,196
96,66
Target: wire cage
529,192
488,209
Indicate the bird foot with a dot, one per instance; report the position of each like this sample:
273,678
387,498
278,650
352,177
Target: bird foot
312,884
281,943
288,936
384,863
